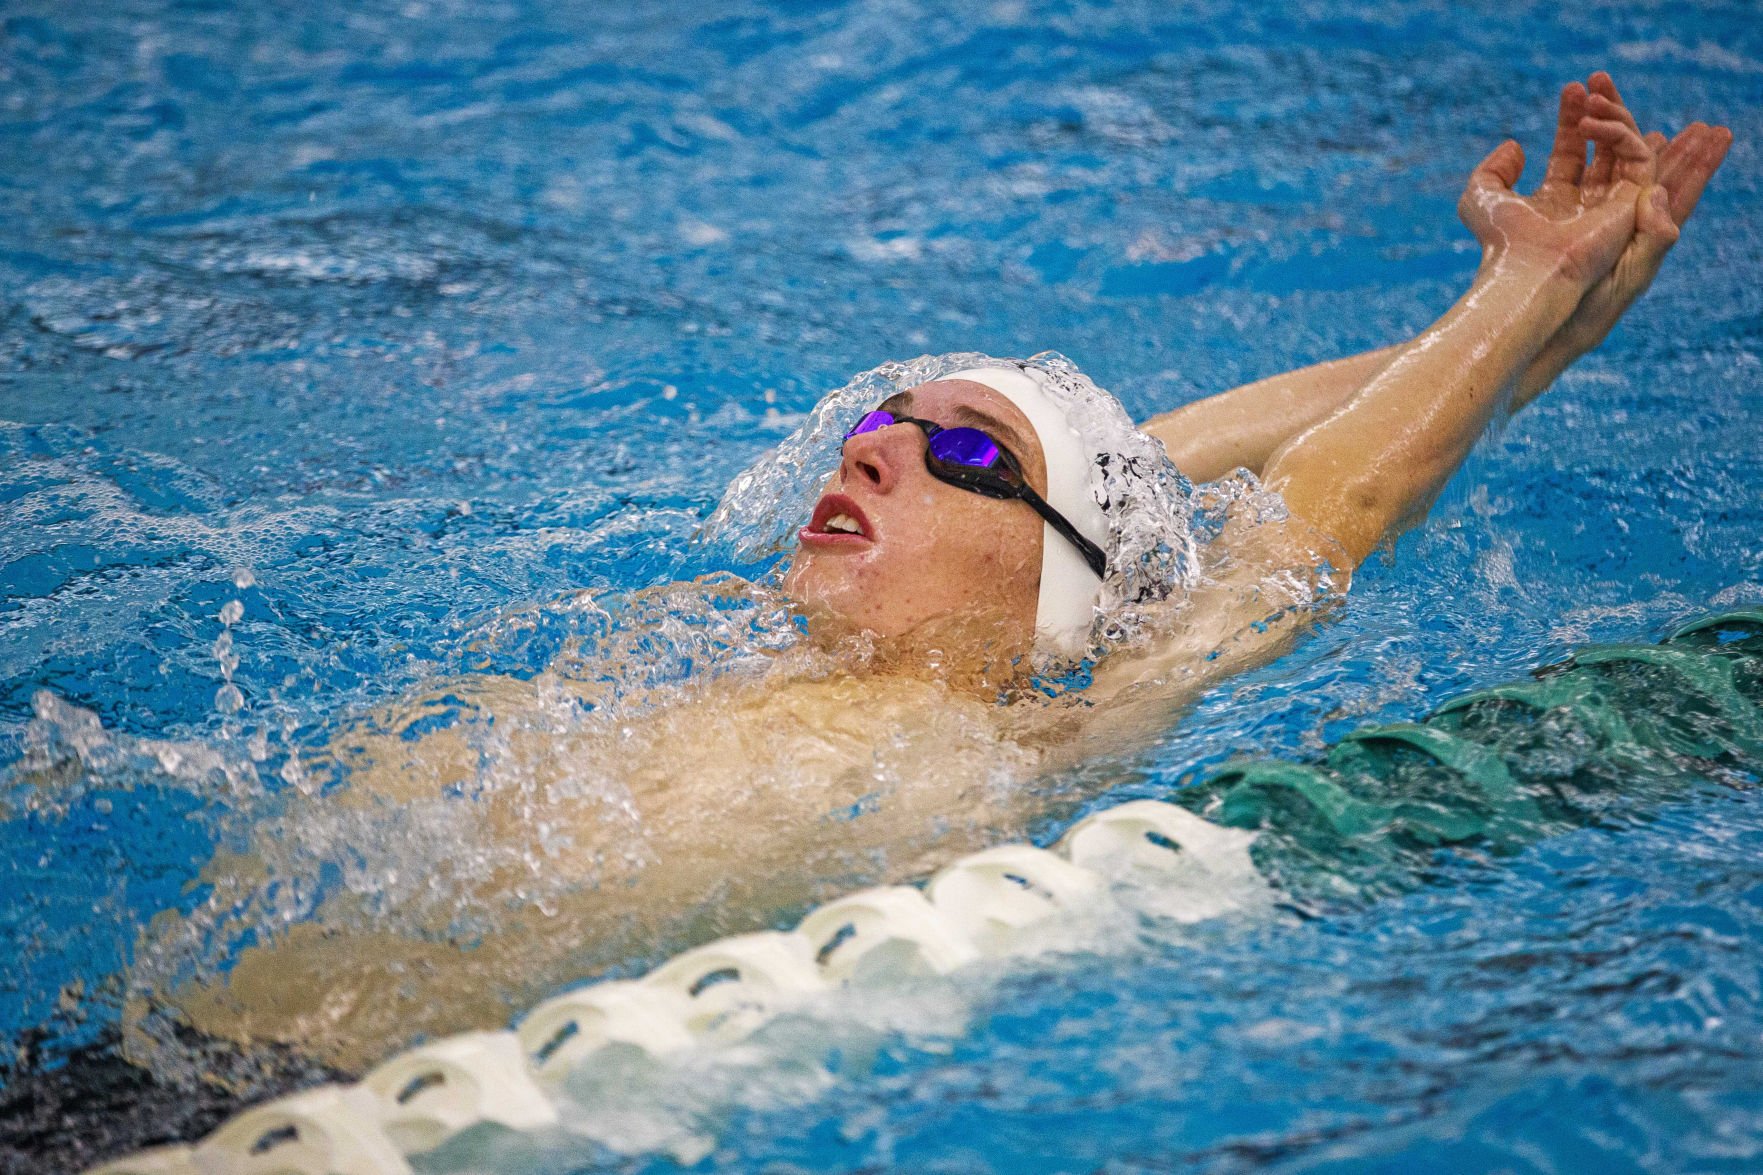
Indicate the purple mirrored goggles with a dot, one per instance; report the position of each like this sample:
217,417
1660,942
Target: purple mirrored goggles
970,459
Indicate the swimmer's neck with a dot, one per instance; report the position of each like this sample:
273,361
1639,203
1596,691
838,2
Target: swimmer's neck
970,659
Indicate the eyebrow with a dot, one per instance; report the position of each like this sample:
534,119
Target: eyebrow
986,422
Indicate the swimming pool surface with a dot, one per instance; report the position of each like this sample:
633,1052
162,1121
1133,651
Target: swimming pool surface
341,343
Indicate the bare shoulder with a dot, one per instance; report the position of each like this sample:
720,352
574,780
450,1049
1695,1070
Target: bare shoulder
1264,583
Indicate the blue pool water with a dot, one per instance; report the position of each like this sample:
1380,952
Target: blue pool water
396,324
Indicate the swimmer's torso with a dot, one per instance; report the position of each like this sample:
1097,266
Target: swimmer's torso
598,835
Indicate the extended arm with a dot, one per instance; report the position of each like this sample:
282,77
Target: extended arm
1245,426
1352,479
1377,462
1372,463
1241,428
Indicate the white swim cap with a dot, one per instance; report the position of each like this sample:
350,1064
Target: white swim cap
1069,589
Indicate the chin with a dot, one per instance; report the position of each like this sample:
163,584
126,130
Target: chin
823,598
837,605
805,584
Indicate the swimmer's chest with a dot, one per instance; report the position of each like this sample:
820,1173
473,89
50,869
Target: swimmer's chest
816,745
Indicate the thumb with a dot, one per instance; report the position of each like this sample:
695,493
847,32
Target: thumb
1603,232
1500,169
1653,221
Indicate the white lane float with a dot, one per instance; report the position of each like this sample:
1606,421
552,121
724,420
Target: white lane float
734,985
1182,867
432,1095
331,1130
877,934
996,894
564,1031
480,1083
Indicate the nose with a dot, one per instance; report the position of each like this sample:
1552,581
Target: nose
876,459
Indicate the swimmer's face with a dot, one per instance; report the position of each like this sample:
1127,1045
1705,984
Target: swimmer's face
930,560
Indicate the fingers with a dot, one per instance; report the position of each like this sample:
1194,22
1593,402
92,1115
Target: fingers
1567,159
1617,156
1603,84
1621,154
1601,174
1674,156
1598,179
1604,100
1634,270
1492,177
1604,232
1633,158
1655,233
1688,162
1603,106
1620,137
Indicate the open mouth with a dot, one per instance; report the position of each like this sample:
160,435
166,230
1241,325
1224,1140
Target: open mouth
837,519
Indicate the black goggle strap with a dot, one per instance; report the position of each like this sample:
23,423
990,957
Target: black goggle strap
1017,486
1090,551
1008,482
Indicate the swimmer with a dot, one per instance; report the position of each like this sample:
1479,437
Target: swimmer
981,527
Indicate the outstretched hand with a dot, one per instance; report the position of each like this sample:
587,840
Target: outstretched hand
1666,176
1684,165
1579,221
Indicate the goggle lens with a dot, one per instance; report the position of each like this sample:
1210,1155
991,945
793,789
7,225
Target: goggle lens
964,446
951,446
870,423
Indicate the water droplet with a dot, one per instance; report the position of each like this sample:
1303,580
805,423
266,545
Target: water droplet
243,578
228,699
292,774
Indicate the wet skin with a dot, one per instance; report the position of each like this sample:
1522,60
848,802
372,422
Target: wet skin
931,562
